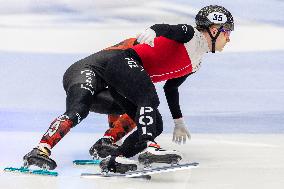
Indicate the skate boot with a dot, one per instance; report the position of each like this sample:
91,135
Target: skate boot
155,154
117,164
103,148
39,156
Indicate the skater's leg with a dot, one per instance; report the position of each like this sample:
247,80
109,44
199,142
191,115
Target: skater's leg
104,103
112,118
106,146
125,123
129,79
129,148
120,128
124,75
78,103
120,125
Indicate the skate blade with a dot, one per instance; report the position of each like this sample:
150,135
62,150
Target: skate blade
24,170
113,175
143,173
87,162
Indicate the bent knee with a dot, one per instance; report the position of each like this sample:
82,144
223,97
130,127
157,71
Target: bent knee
77,116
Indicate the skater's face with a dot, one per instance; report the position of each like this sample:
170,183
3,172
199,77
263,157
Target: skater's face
222,39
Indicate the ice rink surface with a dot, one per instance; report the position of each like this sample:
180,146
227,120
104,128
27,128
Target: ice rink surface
233,106
229,161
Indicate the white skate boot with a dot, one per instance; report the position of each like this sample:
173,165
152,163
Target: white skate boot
155,154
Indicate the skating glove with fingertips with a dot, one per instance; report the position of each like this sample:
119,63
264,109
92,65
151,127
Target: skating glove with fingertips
180,131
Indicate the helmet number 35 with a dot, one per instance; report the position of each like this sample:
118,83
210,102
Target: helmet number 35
217,17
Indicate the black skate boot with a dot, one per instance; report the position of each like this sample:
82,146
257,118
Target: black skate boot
102,148
40,157
117,165
155,154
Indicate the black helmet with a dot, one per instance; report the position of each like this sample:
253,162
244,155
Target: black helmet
214,14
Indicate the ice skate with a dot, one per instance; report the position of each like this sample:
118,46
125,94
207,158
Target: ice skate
155,154
39,157
102,148
117,165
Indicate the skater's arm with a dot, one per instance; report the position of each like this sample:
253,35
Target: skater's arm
182,33
181,132
172,95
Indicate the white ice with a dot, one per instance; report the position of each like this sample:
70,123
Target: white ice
226,161
234,106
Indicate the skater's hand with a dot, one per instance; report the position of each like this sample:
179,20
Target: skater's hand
147,37
180,132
